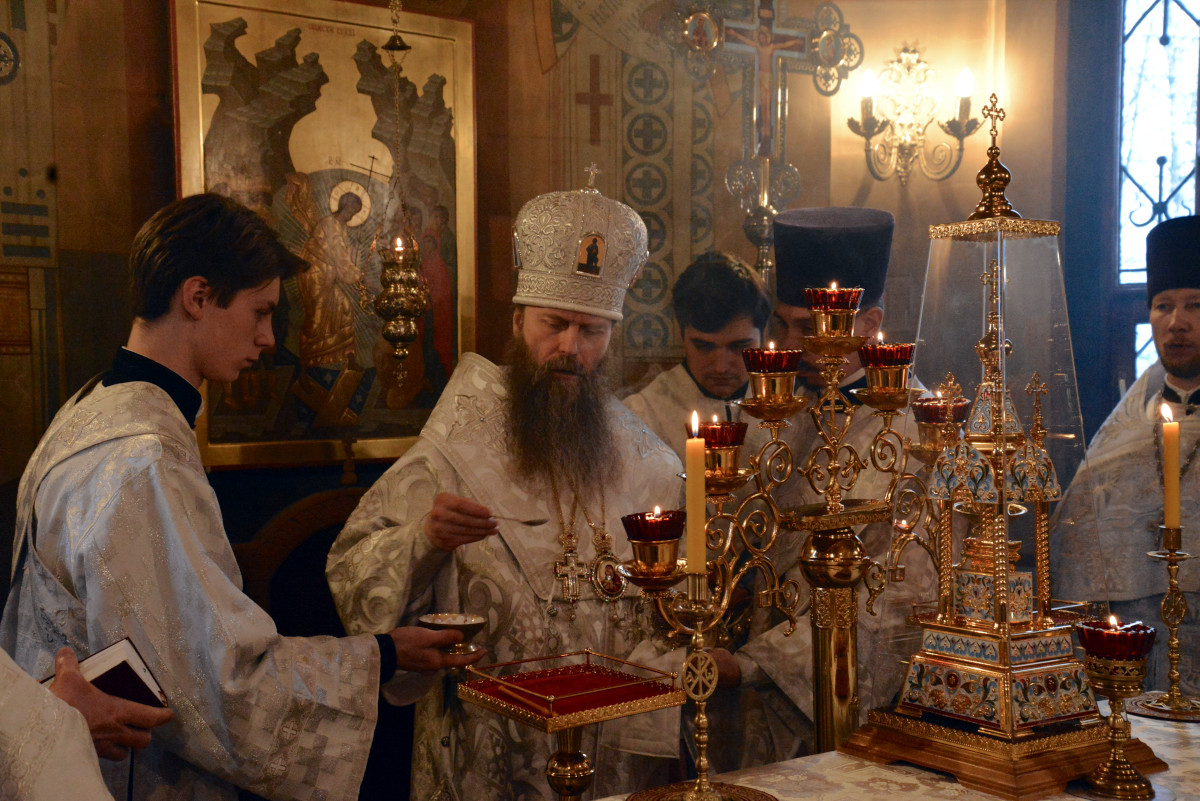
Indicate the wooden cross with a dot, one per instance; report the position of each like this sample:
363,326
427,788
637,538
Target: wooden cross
569,571
770,47
995,114
593,98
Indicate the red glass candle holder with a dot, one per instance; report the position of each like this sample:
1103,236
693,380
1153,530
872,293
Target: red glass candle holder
651,527
887,355
840,299
1123,641
722,435
939,410
763,360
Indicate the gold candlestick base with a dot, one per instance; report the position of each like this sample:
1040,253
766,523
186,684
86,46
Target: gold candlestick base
684,791
1172,704
1117,680
569,771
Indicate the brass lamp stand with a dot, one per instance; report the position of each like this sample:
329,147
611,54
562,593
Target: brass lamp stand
1117,680
1172,704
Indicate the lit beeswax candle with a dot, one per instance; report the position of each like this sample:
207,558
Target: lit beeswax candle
1170,469
693,465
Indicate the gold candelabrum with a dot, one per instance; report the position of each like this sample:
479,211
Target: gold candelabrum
741,533
1172,704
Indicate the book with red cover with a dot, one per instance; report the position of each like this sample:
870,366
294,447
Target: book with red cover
120,670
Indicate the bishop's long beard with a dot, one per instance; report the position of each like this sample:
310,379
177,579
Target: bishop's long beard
559,428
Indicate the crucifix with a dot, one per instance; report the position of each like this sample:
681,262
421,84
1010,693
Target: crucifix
822,46
569,571
770,47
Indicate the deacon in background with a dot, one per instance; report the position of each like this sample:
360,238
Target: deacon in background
722,309
119,535
1110,516
850,246
509,506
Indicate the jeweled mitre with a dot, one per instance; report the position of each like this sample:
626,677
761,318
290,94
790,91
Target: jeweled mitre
578,251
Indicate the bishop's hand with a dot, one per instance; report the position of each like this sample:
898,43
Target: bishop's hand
456,521
116,724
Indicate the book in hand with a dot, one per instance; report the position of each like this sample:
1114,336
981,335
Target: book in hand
120,670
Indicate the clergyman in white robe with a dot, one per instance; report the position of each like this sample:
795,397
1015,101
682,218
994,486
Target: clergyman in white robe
119,534
383,571
1109,520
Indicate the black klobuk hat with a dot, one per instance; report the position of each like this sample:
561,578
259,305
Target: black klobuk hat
815,247
1173,256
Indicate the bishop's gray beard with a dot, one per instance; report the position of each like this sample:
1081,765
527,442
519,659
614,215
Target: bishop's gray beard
559,429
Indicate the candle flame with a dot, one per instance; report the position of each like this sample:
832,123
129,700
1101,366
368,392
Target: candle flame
833,285
399,243
695,424
868,84
715,420
1112,621
657,511
771,345
965,85
939,394
1166,413
879,336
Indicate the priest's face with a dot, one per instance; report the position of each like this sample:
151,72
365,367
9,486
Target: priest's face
560,428
1175,322
715,359
231,339
573,341
792,323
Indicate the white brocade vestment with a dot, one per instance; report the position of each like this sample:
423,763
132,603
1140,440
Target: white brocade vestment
1109,518
129,543
46,751
383,570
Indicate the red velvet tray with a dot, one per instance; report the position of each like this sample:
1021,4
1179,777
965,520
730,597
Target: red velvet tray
566,695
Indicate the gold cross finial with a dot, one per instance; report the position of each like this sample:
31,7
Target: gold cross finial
991,279
1036,388
592,170
995,114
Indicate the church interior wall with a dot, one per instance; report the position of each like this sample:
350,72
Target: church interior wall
109,119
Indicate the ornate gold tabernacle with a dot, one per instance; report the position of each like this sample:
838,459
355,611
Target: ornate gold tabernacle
995,695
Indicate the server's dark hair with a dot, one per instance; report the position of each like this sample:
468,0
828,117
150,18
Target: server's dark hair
716,289
211,236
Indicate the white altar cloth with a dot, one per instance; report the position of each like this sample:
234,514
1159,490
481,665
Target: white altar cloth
839,777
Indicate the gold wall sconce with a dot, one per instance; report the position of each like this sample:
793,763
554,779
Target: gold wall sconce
897,108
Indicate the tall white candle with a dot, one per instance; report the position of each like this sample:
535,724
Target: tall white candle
1170,469
694,466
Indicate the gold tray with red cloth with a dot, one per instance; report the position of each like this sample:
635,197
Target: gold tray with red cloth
566,695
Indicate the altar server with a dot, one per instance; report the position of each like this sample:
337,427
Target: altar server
1110,516
119,535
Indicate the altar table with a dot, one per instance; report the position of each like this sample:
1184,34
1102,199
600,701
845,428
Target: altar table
838,777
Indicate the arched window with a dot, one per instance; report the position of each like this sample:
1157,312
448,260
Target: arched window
1160,69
